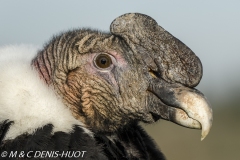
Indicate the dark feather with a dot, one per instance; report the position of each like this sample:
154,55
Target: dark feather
44,140
131,137
4,126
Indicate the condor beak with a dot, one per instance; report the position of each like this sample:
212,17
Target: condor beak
185,106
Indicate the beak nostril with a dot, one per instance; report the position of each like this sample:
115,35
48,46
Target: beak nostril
154,74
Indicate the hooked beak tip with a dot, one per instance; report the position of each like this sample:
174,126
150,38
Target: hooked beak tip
198,108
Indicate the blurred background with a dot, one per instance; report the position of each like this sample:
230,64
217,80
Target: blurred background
210,28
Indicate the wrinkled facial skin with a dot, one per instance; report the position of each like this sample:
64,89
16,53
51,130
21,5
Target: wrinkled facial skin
110,97
151,76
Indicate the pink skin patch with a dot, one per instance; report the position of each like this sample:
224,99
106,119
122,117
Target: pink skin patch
120,61
117,61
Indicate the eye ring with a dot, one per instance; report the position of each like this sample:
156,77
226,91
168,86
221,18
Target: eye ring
103,61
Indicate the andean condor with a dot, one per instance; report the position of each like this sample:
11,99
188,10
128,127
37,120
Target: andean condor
84,94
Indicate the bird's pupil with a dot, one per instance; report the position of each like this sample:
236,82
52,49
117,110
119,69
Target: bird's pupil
103,61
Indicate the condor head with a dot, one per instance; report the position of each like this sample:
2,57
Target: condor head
138,72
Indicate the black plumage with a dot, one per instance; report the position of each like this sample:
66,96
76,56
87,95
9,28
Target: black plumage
4,126
60,145
134,137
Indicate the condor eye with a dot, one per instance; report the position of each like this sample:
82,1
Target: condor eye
103,61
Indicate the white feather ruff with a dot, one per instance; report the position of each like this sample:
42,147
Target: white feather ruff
25,99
